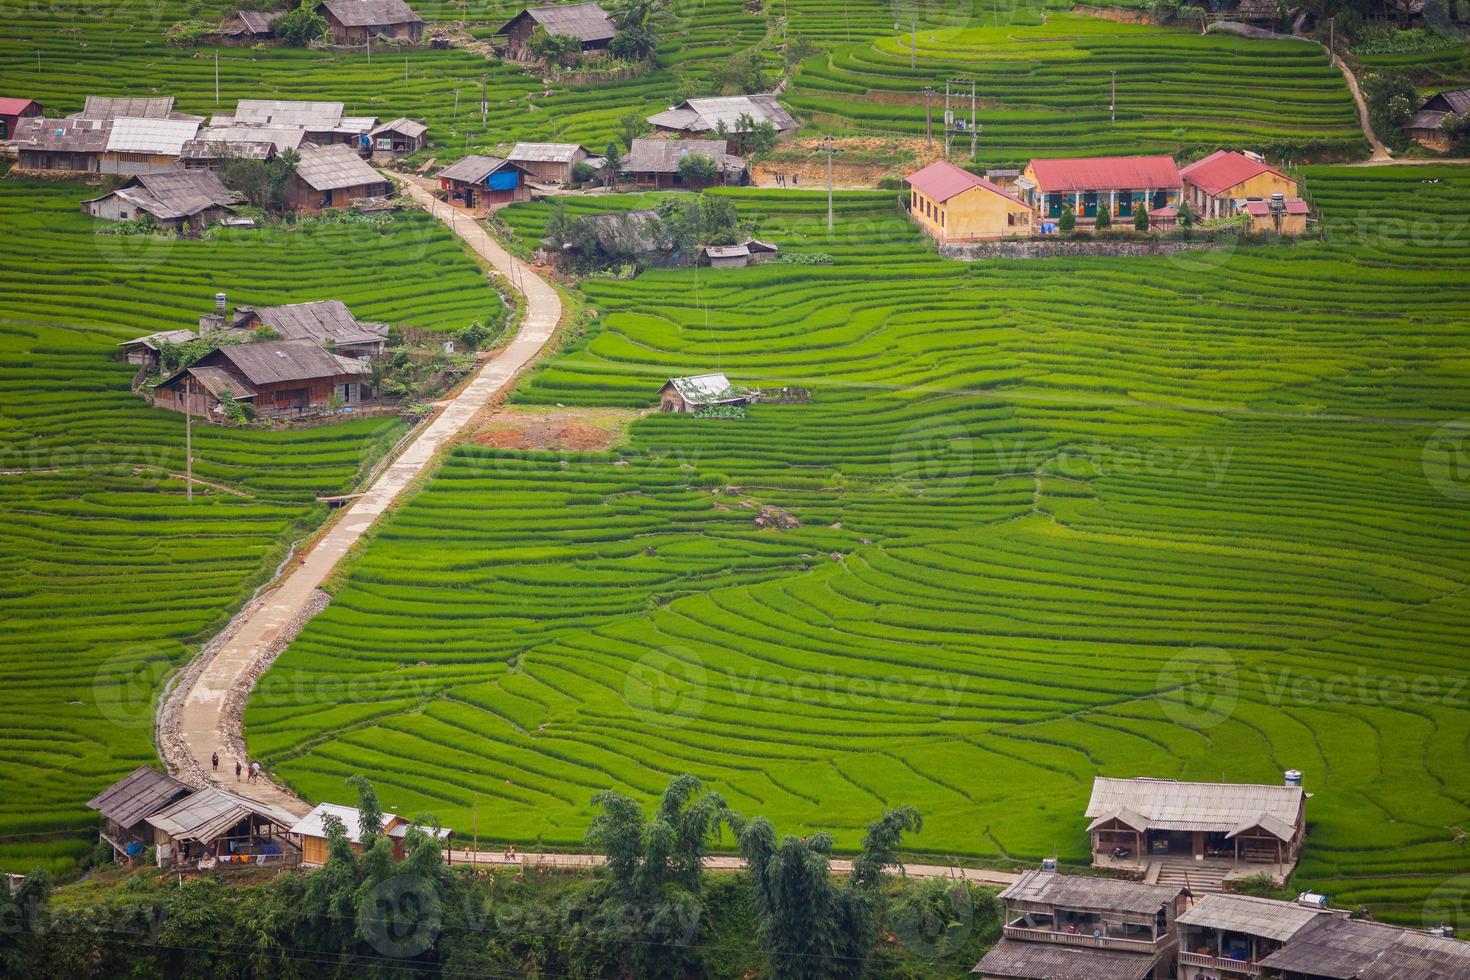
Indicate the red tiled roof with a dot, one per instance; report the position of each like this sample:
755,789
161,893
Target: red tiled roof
1262,209
1106,174
1223,169
14,107
942,180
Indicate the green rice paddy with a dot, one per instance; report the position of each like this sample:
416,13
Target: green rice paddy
1192,517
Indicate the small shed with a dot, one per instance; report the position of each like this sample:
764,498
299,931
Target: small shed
549,162
355,21
397,138
1292,219
213,827
587,22
126,805
333,177
143,351
250,26
12,111
699,391
177,199
739,255
477,182
312,831
1426,127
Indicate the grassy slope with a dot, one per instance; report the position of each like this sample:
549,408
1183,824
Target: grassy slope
111,581
1087,515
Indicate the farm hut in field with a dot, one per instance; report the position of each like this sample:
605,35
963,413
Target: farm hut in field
69,145
12,111
1225,829
355,21
953,205
739,255
548,163
250,26
1229,936
1086,183
1426,127
312,830
144,351
214,827
126,805
1219,185
697,392
723,114
397,138
1282,217
280,379
477,183
1336,947
327,322
333,177
655,163
587,22
177,199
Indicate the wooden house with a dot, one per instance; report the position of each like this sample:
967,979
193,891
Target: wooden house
145,146
183,200
1086,183
1077,926
1219,185
1227,937
655,163
548,163
71,145
1426,125
722,115
126,805
397,138
312,831
333,177
213,827
587,22
1220,830
129,107
355,21
250,26
1340,948
739,255
1281,217
477,183
144,351
215,144
321,123
326,322
279,379
699,391
953,205
12,111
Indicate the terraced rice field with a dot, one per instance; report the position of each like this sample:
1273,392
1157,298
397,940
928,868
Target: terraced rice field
111,579
1044,88
1188,517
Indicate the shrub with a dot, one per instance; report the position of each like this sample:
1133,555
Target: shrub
302,26
1140,216
583,172
1104,218
696,168
187,33
1067,221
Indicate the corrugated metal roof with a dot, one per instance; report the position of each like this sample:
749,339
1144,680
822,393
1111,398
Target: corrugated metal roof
651,156
1083,892
160,136
315,116
327,168
545,152
139,794
259,21
314,823
474,168
273,362
176,193
583,21
1170,805
705,389
70,135
153,340
727,109
217,381
103,107
411,128
942,180
1252,916
212,811
1426,119
321,321
1106,173
281,137
1052,961
372,13
356,125
1455,100
1353,949
726,251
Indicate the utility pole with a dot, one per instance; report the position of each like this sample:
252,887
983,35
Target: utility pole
829,145
948,118
928,116
216,78
370,49
1113,101
1332,39
189,439
913,40
974,133
405,68
484,102
475,856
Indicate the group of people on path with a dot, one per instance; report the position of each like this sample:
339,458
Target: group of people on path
251,770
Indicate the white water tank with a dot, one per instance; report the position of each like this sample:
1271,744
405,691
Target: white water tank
1293,777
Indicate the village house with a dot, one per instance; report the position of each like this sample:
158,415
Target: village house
1278,215
333,177
655,163
1225,937
739,255
144,146
1426,125
477,183
726,114
144,351
1085,184
1219,185
147,107
327,322
213,827
1340,948
697,392
250,26
214,144
355,21
70,145
322,123
126,805
12,111
548,163
397,138
279,379
1072,927
312,830
587,22
176,199
1212,832
954,205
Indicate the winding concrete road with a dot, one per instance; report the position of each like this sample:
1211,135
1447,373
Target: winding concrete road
203,713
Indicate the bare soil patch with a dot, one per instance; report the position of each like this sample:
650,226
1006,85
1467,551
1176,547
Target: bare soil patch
565,429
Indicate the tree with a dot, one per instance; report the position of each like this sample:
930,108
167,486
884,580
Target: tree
611,161
260,182
302,26
369,811
810,927
25,922
1185,217
719,220
797,49
631,125
1140,216
554,49
633,44
740,73
646,14
1390,97
1067,221
696,168
1104,217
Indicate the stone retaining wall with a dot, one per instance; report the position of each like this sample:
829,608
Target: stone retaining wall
1054,248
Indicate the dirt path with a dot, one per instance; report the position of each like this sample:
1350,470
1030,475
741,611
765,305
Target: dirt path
203,712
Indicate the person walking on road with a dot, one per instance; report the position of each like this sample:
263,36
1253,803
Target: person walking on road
238,767
214,761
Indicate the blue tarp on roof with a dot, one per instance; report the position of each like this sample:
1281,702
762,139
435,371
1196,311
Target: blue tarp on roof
504,180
